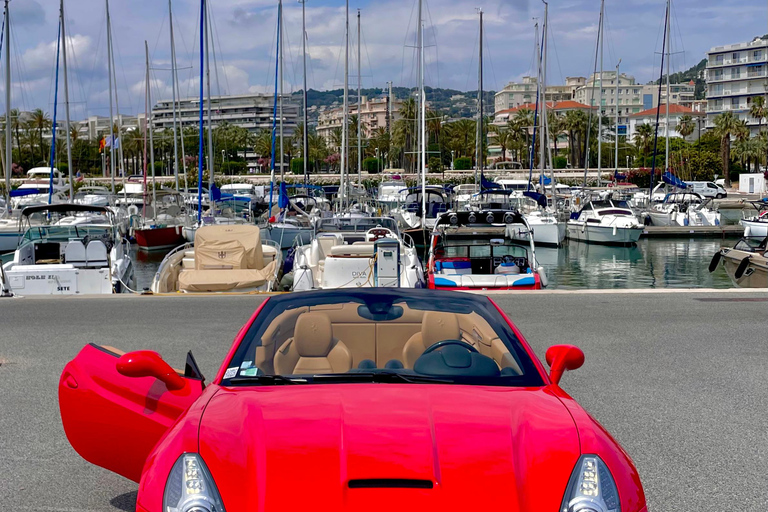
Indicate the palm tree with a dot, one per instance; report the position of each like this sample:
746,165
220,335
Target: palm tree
556,125
726,125
524,119
685,126
575,123
40,121
758,110
643,135
503,138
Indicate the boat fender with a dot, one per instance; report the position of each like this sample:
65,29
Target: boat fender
542,276
614,230
133,210
715,261
743,265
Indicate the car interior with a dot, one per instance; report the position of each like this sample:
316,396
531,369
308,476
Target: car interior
346,337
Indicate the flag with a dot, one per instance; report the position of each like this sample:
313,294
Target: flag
215,193
102,144
79,176
543,180
283,200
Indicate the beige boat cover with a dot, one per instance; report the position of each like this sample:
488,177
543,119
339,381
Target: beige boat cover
231,246
225,281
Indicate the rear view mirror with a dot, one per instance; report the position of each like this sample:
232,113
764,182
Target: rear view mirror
561,358
146,363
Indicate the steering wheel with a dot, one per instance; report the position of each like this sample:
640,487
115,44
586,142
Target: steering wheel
508,259
377,233
446,343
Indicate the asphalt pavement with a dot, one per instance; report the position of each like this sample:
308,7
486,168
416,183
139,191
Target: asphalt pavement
677,378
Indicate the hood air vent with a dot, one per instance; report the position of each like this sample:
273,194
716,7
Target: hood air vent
390,483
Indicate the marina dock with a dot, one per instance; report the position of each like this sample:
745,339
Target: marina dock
730,231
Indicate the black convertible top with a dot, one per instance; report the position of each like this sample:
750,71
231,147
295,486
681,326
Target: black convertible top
64,208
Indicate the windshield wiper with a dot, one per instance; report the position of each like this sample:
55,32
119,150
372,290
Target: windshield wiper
267,379
383,376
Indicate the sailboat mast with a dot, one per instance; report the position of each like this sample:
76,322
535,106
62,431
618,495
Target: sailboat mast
616,157
148,113
305,135
423,132
8,148
359,107
146,129
280,97
600,102
66,100
543,101
200,132
211,181
666,117
545,118
173,86
345,113
479,136
417,107
119,118
111,133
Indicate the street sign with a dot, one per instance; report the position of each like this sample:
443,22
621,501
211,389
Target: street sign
622,129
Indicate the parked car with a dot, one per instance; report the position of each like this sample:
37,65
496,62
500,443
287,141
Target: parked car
352,399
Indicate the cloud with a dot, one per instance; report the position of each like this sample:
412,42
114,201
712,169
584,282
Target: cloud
27,12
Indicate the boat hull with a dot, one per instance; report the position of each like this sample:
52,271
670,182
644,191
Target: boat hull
484,282
755,229
551,234
9,241
154,239
756,273
605,235
285,236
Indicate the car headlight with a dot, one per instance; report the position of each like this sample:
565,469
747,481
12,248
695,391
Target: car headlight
190,487
591,488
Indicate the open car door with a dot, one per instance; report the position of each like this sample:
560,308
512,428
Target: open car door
113,420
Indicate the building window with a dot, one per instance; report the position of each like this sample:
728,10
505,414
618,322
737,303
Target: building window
718,60
735,73
735,102
736,56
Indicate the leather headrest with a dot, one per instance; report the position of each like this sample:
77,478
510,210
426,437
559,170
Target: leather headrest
313,335
437,326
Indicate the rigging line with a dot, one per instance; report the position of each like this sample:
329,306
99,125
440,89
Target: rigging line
272,47
21,72
472,60
557,55
78,80
215,31
96,56
490,61
368,57
191,75
125,78
434,35
293,63
189,57
405,42
680,36
212,39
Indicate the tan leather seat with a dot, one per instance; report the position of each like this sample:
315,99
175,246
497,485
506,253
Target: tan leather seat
435,326
313,349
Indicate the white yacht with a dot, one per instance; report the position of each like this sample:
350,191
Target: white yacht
224,258
683,209
463,194
392,191
36,189
757,226
409,214
69,249
10,233
357,252
607,221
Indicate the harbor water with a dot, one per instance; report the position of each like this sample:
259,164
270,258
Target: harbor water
652,263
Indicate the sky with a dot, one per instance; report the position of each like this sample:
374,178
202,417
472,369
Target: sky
243,39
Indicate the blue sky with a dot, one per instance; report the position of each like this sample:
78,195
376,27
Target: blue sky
244,41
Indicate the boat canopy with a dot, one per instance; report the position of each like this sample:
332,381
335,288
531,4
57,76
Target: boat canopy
65,208
540,199
671,179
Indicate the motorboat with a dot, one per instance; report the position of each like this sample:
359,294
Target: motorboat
10,233
42,183
542,224
392,192
223,258
459,259
160,225
69,249
757,226
746,263
357,252
93,196
409,215
683,209
463,194
607,221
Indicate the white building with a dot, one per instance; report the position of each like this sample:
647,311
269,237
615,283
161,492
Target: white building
373,116
736,74
251,111
515,94
676,112
628,99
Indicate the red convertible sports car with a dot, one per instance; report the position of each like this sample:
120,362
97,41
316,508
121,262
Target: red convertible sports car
374,400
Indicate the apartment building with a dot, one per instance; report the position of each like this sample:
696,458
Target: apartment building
735,75
515,94
680,94
254,112
373,115
628,99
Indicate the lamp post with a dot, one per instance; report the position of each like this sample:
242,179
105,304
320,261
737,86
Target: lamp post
452,155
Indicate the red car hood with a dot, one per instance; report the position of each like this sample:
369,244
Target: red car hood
289,447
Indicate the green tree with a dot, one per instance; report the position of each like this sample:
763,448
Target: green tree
643,136
40,121
685,126
726,126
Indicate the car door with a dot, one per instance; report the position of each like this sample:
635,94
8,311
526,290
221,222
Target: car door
113,420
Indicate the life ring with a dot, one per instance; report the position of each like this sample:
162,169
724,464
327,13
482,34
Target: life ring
133,210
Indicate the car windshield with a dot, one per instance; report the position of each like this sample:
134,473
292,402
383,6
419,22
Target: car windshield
381,336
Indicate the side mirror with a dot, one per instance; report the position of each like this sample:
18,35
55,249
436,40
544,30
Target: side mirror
561,358
145,363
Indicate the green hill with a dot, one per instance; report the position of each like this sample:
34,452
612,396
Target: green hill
696,73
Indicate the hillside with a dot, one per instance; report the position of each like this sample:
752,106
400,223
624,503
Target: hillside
695,73
449,102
